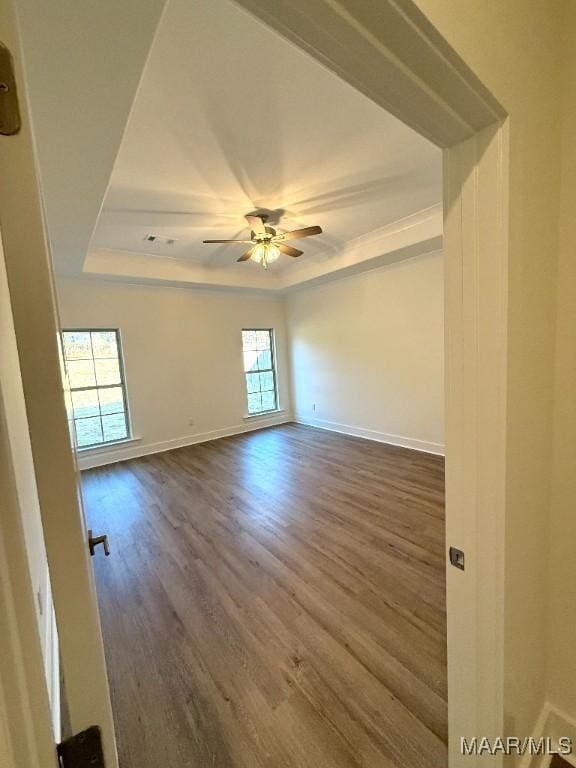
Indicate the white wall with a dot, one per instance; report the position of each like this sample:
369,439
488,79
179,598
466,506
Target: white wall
182,356
368,351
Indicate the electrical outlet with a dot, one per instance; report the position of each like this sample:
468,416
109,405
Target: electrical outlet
313,406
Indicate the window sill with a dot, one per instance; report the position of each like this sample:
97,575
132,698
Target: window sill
108,446
264,414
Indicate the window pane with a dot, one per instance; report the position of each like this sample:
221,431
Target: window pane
107,372
262,340
85,403
252,382
77,345
257,360
254,403
104,344
268,401
249,339
111,400
114,427
81,373
88,431
251,361
266,381
264,361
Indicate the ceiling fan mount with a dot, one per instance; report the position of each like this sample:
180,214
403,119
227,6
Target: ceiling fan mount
266,244
270,216
260,214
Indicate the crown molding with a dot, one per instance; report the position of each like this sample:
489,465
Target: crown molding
419,233
143,268
413,235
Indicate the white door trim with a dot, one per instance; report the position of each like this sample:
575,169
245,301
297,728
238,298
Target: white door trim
26,735
476,247
30,282
391,52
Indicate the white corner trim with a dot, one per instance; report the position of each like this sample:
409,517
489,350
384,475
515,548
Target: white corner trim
371,434
101,458
552,723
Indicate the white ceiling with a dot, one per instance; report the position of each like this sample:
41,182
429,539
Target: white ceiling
230,118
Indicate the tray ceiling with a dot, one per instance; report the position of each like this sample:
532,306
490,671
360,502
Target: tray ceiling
231,118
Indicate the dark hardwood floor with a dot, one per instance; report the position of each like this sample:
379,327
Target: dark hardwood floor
275,599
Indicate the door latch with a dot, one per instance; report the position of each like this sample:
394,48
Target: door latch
83,750
9,110
94,541
456,557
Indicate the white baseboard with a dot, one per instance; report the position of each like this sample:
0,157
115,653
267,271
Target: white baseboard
372,434
101,456
552,723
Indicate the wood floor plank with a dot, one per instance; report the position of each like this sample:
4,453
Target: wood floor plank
275,599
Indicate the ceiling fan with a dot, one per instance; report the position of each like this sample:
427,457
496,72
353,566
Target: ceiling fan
266,244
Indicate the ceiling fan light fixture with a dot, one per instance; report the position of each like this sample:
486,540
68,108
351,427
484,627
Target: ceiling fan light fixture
258,253
272,253
266,243
265,253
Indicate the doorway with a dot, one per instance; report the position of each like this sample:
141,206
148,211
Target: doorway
464,199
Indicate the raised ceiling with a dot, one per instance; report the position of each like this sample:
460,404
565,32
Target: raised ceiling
231,118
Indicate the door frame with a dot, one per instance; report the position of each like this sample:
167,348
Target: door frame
390,52
34,312
26,735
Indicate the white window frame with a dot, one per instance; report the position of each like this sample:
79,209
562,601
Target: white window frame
122,385
272,369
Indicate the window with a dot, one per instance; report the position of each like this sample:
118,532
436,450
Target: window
260,370
95,371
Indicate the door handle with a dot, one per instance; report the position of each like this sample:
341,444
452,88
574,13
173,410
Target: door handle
94,541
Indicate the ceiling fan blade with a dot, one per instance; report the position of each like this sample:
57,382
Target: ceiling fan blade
246,256
226,241
306,232
287,249
256,225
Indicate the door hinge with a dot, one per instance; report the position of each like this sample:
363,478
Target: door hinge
84,750
9,110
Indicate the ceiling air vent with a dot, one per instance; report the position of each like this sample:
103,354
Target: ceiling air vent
159,240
